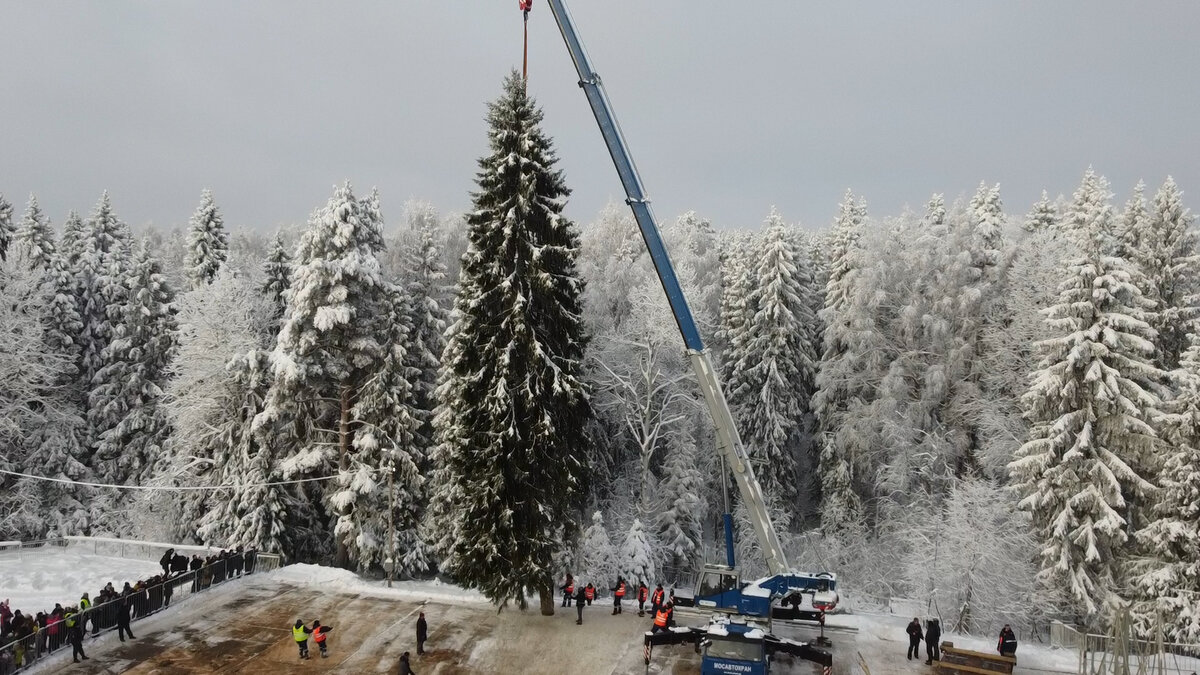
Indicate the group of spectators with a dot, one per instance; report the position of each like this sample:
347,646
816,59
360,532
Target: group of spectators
25,636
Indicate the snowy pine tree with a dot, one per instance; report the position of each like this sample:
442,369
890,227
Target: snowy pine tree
124,403
1167,579
516,409
778,365
8,231
277,274
637,556
598,558
1166,252
1044,216
679,516
74,234
207,242
1084,469
36,236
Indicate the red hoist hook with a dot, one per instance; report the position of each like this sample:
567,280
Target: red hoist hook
526,5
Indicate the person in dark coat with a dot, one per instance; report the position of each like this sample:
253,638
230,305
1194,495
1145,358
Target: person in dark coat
165,561
123,614
914,638
320,635
1007,646
405,668
422,633
75,635
580,599
568,591
933,636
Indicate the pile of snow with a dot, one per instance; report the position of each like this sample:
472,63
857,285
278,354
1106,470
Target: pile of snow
332,578
34,580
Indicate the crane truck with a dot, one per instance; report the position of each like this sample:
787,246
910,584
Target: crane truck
719,587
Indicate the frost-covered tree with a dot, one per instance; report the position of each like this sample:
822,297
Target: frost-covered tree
428,319
36,236
8,230
1043,216
1166,582
1085,467
1163,245
778,365
637,556
513,408
125,399
678,518
276,272
338,330
207,242
599,562
73,236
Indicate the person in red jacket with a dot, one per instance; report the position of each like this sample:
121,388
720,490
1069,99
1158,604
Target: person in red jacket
590,593
320,633
618,593
642,593
568,590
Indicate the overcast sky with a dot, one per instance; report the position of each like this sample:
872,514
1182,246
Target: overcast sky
729,107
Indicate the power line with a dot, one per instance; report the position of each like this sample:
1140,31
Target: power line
167,488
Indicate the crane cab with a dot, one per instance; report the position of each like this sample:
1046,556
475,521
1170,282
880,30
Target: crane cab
714,587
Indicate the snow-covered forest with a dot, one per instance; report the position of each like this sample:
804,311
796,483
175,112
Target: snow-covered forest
990,407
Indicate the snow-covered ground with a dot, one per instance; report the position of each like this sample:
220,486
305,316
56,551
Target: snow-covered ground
33,580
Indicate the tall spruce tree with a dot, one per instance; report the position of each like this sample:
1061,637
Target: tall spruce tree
1166,252
337,332
74,233
1167,579
277,274
1044,216
36,236
514,417
778,365
207,242
1084,471
8,231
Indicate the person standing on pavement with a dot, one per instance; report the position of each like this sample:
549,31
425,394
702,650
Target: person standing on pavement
75,635
642,592
300,635
914,638
405,667
422,633
933,636
123,617
319,634
580,599
618,593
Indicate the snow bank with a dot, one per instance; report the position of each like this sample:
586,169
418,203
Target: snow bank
37,578
344,580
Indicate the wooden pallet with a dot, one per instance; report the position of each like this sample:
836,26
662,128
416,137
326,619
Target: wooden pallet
957,661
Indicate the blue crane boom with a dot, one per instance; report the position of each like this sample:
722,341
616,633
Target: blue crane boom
729,442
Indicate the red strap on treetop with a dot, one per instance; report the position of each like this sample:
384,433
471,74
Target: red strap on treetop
526,5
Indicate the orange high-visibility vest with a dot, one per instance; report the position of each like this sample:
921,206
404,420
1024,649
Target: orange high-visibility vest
621,590
320,636
657,597
591,593
642,594
660,618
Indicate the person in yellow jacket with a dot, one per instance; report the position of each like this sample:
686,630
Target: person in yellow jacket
300,635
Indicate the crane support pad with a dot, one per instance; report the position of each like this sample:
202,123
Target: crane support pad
776,645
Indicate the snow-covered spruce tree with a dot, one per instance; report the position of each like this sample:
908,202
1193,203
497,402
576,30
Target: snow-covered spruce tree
739,266
1166,580
679,516
835,372
1167,254
516,419
598,557
778,365
637,556
277,273
1084,469
1044,216
386,439
8,231
36,236
125,400
73,236
428,320
207,242
337,331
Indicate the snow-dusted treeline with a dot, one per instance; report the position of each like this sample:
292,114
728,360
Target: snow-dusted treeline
993,412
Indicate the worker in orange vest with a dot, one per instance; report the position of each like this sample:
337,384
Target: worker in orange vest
656,598
591,593
662,618
319,634
642,593
618,593
568,590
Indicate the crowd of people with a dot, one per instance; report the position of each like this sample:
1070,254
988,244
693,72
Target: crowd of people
26,636
662,606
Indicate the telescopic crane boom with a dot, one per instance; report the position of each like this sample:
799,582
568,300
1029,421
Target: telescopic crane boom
728,442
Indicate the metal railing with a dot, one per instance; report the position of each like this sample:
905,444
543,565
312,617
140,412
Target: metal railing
31,642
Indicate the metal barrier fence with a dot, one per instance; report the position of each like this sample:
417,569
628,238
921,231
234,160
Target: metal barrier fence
1119,653
34,642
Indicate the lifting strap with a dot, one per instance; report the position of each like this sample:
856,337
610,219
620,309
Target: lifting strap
526,5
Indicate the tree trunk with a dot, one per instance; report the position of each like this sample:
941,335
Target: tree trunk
342,556
546,594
